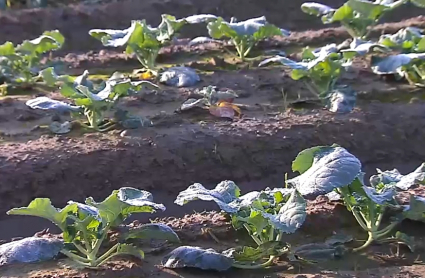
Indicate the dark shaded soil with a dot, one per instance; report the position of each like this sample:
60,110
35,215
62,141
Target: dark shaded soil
75,21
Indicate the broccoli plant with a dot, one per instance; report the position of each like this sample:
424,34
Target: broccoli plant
145,41
320,70
357,16
94,102
326,169
265,215
85,227
245,34
20,65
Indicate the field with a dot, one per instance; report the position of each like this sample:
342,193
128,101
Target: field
280,118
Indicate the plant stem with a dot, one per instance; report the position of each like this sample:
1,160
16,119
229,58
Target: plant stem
255,266
102,259
256,239
368,242
74,257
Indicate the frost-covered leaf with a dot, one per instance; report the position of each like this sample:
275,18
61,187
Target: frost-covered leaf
46,103
393,64
316,9
291,216
223,194
87,210
332,167
124,202
29,250
203,40
188,256
139,34
380,197
257,28
200,18
179,77
415,210
341,100
193,102
402,182
60,128
405,39
157,231
360,48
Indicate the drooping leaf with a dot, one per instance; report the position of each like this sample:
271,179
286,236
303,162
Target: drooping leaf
60,128
341,100
46,103
223,194
291,216
192,103
29,250
314,252
406,240
332,167
152,231
415,210
179,77
42,207
402,182
188,256
393,64
124,202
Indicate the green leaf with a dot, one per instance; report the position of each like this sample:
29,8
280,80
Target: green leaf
152,231
42,207
38,46
332,167
305,158
7,49
291,216
55,34
168,27
361,48
270,248
406,240
124,202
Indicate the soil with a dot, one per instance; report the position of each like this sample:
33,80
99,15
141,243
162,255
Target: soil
279,120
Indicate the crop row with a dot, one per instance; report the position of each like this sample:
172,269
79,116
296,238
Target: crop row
265,215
